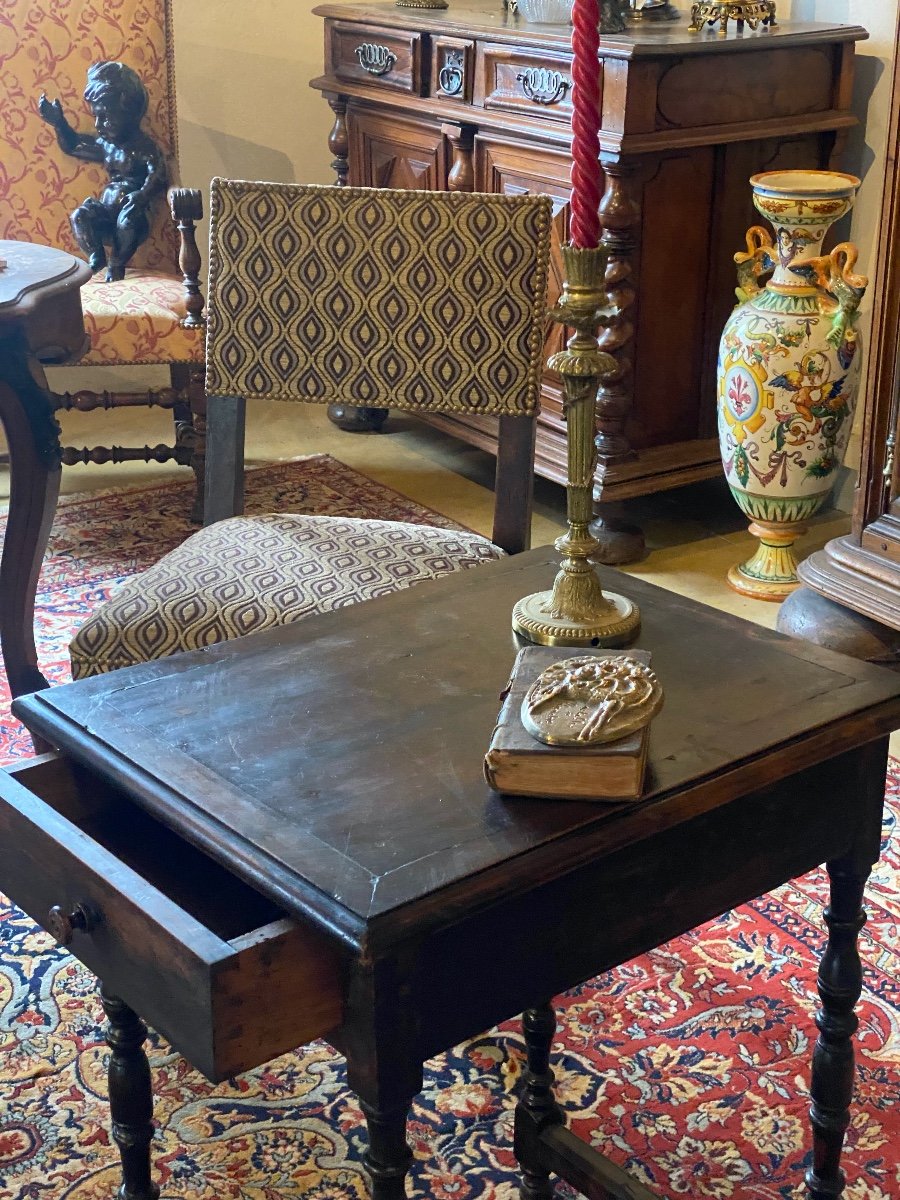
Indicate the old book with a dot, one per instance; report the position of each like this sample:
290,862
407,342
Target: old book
518,764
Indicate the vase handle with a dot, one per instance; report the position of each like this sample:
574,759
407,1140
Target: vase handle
840,289
758,261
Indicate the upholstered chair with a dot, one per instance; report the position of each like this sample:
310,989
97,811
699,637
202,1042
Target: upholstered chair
155,314
426,301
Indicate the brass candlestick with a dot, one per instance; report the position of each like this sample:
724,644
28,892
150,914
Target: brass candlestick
576,611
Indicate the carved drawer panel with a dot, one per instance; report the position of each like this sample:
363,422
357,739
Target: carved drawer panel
187,944
369,54
452,68
535,84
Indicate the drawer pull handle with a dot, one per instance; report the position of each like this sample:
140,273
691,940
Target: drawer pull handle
62,925
451,74
375,59
542,85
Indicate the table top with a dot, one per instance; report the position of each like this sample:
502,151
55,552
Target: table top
468,18
337,764
31,273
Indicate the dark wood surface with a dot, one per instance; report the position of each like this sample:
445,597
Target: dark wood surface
686,119
335,767
341,759
860,572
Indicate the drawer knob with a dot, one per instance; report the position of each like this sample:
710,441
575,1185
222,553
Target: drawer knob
542,85
62,925
374,58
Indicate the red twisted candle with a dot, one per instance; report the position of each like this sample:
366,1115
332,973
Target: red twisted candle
586,176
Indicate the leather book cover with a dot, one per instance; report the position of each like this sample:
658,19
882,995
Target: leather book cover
518,764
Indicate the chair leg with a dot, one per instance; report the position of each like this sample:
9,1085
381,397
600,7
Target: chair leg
190,423
225,459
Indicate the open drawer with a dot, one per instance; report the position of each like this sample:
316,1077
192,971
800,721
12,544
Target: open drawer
217,968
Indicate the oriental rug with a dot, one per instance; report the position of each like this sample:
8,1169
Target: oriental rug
688,1065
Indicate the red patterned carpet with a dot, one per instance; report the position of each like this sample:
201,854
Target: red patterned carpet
689,1065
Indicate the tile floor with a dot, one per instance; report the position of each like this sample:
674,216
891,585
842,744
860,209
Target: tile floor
693,534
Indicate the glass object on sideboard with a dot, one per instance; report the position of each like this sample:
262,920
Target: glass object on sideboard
546,12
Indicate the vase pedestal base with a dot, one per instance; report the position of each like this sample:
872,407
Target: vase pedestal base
771,573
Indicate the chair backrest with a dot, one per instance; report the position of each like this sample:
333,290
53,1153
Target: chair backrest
422,301
47,46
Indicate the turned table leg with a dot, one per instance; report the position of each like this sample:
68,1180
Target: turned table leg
537,1107
389,1157
130,1097
840,985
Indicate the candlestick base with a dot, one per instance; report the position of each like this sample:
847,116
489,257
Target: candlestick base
535,619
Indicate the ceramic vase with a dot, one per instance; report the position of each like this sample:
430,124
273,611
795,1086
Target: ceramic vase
788,369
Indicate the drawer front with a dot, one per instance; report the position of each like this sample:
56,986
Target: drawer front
384,57
452,68
198,985
536,84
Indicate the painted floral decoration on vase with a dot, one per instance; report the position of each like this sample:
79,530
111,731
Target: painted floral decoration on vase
788,371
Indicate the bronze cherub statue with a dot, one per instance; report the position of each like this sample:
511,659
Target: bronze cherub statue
136,167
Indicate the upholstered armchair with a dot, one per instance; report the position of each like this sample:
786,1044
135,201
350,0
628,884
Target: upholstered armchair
155,314
430,301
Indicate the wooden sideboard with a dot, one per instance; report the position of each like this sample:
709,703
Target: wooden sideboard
473,97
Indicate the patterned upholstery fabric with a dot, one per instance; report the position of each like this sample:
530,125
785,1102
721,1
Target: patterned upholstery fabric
47,46
409,299
416,300
246,574
137,320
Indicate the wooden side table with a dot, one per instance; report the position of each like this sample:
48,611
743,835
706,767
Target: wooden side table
40,322
289,836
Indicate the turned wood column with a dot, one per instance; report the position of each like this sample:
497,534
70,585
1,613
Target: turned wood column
339,139
620,214
461,176
187,208
130,1097
537,1107
345,416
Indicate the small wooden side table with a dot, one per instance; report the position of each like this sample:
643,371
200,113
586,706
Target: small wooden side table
289,836
40,323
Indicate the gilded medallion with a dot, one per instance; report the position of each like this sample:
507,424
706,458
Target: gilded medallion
585,700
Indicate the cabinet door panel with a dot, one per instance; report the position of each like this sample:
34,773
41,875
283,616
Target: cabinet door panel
388,151
508,168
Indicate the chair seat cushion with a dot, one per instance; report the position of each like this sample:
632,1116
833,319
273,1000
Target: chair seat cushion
138,320
250,573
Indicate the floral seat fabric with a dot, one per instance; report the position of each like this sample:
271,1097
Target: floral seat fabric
250,573
47,47
138,320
